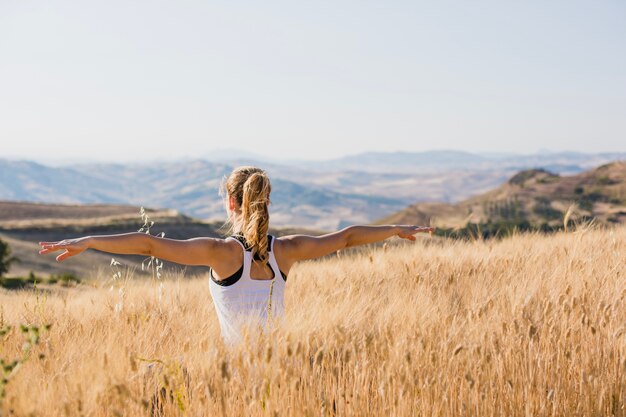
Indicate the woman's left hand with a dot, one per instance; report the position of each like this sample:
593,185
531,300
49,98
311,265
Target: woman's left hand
408,232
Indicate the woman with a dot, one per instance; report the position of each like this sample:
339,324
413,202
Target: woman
248,270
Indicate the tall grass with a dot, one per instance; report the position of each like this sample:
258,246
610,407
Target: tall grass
530,325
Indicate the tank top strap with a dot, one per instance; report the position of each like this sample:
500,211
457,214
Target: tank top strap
272,260
248,257
270,252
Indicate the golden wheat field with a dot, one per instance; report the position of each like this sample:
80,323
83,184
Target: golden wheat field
529,325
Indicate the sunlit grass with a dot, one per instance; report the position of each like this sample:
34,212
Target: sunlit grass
530,325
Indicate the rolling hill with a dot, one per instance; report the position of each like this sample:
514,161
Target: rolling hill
536,196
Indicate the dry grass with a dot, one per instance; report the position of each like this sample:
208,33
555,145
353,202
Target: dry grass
531,325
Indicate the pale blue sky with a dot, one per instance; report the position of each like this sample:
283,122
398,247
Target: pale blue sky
121,80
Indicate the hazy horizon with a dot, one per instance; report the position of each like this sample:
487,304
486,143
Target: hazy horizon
225,155
121,81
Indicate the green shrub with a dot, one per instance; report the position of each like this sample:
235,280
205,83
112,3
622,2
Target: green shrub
585,204
5,258
605,180
65,279
543,209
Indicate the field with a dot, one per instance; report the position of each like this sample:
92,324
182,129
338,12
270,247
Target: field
529,325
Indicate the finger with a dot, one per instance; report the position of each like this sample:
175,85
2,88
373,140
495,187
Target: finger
48,250
52,245
63,256
49,243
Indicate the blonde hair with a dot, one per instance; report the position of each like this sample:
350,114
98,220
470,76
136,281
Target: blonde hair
250,187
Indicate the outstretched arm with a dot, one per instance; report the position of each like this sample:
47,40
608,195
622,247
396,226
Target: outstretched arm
301,247
197,251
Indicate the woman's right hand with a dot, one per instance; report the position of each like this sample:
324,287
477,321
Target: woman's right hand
70,247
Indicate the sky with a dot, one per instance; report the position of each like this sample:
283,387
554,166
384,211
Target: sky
140,80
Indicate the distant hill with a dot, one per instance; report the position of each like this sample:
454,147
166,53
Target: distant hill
191,187
535,197
449,160
16,214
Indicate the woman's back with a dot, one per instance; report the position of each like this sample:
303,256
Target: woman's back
253,295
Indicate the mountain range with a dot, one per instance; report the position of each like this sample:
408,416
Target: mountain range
322,195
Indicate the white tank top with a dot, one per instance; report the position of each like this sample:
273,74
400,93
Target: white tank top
240,300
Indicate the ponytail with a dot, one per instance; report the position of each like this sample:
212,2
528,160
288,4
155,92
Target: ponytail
251,189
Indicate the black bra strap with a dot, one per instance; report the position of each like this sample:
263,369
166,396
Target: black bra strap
227,281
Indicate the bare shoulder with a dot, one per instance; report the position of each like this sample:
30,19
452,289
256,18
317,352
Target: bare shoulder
225,254
283,243
284,247
223,247
288,244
